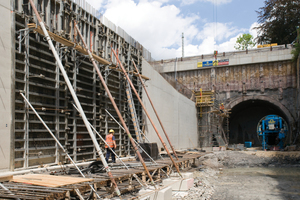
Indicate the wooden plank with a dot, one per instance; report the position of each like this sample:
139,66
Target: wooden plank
49,180
4,178
101,181
67,43
134,73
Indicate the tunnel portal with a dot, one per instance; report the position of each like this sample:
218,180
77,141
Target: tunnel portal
245,117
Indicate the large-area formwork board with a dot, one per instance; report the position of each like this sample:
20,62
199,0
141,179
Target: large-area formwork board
37,74
177,113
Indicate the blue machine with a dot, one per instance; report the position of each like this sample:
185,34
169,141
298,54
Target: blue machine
270,129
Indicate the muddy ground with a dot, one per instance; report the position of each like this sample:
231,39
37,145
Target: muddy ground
234,175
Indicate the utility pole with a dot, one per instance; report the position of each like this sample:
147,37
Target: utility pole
297,34
182,44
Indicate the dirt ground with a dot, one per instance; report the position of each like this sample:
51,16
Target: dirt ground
234,175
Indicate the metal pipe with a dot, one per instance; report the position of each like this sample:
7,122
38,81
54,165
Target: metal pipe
1,185
149,141
98,149
154,109
115,105
142,104
57,141
133,139
134,175
104,140
135,142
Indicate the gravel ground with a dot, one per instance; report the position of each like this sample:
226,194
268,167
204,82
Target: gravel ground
234,175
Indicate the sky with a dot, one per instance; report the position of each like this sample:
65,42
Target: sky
158,25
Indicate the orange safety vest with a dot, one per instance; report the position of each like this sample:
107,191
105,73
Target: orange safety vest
109,141
222,107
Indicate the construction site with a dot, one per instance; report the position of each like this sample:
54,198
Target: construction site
216,126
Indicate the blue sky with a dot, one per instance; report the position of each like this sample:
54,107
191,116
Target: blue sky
208,25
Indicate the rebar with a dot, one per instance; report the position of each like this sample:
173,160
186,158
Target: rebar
1,185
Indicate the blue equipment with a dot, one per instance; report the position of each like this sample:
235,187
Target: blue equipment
271,127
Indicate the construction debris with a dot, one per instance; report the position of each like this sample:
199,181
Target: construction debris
63,186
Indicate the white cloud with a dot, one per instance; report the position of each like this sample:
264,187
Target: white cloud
228,45
158,26
216,2
253,31
97,4
218,30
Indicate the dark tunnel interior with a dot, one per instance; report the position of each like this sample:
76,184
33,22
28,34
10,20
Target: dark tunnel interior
245,117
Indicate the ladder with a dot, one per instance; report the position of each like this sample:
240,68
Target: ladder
219,132
133,113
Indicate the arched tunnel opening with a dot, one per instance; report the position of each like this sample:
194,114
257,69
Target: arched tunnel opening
245,117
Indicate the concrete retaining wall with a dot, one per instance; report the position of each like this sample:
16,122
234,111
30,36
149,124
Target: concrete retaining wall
177,112
5,84
253,56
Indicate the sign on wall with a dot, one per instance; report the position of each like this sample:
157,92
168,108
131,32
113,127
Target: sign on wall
213,63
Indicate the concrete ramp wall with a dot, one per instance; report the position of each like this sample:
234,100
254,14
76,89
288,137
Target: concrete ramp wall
177,112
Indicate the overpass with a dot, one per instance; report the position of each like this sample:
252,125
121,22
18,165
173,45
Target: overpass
251,84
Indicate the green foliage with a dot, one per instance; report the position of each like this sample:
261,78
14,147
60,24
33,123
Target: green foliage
244,42
278,19
296,52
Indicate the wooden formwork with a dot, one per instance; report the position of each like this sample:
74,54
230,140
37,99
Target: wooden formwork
29,189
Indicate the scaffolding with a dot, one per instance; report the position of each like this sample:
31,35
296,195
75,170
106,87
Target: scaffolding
216,126
204,99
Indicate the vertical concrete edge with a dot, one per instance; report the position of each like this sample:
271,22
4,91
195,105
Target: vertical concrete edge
12,126
177,113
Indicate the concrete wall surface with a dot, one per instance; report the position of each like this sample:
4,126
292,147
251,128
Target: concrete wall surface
177,112
258,55
253,84
5,84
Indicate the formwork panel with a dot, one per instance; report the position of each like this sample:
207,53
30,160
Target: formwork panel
38,77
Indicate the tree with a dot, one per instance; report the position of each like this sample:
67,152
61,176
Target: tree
278,21
296,51
244,41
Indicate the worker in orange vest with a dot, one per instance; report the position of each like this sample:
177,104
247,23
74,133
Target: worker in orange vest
111,141
222,108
